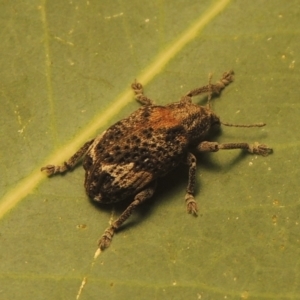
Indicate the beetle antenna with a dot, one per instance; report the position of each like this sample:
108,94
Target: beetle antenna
244,125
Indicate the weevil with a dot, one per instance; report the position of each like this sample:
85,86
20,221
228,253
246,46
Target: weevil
127,159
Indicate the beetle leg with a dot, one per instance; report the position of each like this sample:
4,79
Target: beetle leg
70,163
139,94
255,148
191,204
211,88
142,196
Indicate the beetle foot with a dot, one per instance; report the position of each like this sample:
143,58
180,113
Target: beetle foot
260,149
50,169
106,238
137,87
191,204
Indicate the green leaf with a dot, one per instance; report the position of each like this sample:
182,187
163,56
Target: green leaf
66,70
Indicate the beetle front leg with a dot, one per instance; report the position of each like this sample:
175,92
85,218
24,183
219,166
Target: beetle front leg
68,165
216,88
191,204
141,197
139,94
255,148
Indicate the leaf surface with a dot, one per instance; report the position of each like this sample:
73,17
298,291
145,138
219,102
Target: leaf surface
65,77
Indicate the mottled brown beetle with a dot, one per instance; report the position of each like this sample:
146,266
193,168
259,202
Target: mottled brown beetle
127,159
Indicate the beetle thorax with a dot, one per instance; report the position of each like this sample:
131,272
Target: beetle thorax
196,119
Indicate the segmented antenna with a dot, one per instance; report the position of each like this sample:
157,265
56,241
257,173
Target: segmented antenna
244,125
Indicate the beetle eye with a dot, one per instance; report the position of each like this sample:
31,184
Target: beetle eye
215,120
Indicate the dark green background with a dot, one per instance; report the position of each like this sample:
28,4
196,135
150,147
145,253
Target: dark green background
64,65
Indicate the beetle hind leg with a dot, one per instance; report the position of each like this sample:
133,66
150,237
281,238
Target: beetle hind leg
142,196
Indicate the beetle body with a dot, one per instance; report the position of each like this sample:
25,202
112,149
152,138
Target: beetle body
143,147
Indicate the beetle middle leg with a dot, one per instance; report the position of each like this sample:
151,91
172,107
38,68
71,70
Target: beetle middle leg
191,204
70,163
141,197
